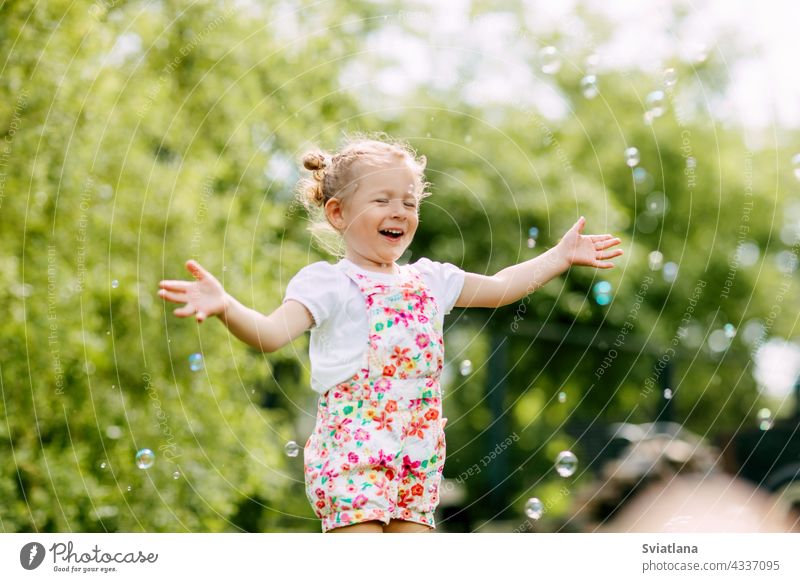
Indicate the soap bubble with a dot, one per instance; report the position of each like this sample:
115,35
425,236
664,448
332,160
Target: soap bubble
549,60
589,86
176,475
533,233
465,368
292,449
196,362
656,203
632,157
602,292
753,331
667,394
718,341
534,508
796,165
566,463
562,397
729,329
655,102
654,260
747,253
765,421
670,272
103,465
786,261
114,284
670,77
145,459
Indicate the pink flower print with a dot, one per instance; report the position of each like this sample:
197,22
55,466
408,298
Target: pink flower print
383,384
422,340
432,414
340,430
382,459
391,406
417,428
389,370
409,466
384,421
428,357
360,501
400,355
403,317
320,493
422,318
361,435
417,490
353,457
352,489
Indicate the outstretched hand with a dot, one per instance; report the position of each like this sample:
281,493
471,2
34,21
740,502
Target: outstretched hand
588,250
203,297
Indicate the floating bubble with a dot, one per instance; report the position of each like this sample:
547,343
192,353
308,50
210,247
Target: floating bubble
292,449
729,329
753,331
656,203
534,508
670,77
796,165
646,223
562,397
196,362
640,175
654,260
718,341
549,60
790,233
113,432
566,463
114,284
130,488
747,253
533,233
465,368
765,421
589,86
176,475
786,261
103,465
602,292
670,272
667,394
632,157
656,104
145,459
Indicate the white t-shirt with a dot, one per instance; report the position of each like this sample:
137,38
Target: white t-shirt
339,333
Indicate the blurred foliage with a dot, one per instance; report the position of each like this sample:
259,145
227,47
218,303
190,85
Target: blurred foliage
137,135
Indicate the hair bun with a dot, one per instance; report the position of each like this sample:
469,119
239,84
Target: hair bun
315,161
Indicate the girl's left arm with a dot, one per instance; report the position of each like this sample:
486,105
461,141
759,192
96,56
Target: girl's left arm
515,282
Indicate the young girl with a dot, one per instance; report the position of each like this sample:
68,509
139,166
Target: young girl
374,460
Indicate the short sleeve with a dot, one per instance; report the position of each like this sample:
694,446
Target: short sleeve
446,279
317,287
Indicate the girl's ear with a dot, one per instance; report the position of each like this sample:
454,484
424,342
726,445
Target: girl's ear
334,213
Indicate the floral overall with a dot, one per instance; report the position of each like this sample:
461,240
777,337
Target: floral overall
377,451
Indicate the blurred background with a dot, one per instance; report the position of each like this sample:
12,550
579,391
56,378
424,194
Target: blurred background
135,135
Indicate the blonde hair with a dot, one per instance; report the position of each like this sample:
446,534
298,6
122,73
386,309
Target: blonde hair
333,176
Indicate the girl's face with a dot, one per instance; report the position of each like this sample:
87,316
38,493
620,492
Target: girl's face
378,220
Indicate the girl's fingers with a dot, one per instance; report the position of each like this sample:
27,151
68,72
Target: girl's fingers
195,269
605,265
175,285
578,226
599,237
602,245
184,311
175,297
609,254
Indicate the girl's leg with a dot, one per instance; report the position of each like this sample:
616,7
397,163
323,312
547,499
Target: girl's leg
401,526
365,527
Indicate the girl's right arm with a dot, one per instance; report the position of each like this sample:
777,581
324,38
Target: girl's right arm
206,297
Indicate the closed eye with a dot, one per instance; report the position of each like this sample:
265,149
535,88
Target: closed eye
411,204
